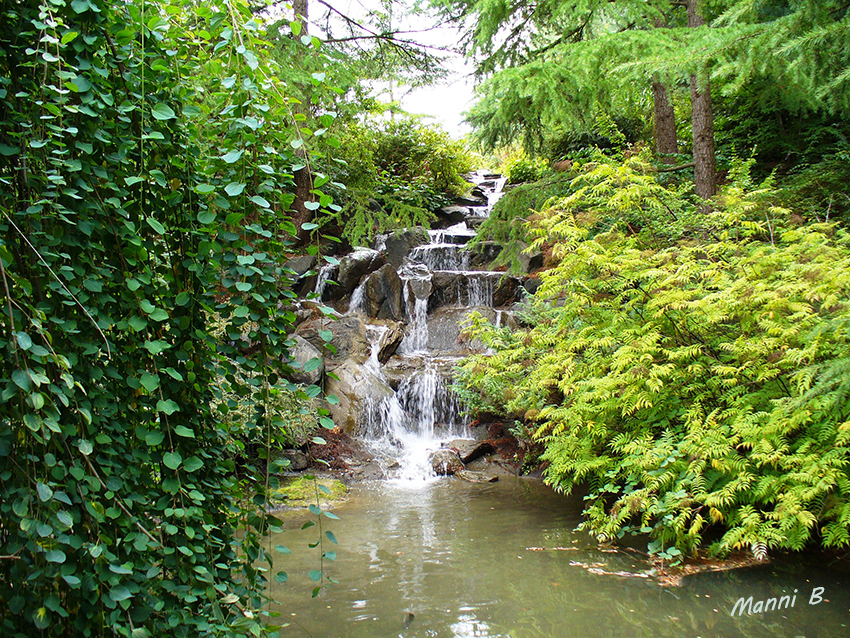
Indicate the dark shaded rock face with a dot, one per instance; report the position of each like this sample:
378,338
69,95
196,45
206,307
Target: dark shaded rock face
399,243
349,338
507,291
383,294
531,285
483,254
445,462
353,267
466,289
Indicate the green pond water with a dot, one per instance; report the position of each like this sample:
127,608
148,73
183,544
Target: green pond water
463,560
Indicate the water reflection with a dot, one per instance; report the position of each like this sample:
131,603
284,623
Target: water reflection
458,558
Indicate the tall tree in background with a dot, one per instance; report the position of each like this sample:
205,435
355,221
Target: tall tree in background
702,119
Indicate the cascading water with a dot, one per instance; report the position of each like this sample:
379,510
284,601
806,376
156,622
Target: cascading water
406,426
326,272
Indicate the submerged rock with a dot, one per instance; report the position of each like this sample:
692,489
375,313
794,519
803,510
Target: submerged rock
445,462
476,477
301,491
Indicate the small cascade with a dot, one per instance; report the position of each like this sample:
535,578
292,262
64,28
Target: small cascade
439,286
479,291
411,423
357,301
417,290
326,273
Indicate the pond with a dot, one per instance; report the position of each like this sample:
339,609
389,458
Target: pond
448,559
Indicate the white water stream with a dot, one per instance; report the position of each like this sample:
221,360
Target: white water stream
404,428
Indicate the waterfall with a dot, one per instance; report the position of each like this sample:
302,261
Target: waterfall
479,291
405,425
358,298
325,273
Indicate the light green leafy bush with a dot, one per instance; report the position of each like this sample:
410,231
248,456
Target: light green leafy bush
691,371
396,175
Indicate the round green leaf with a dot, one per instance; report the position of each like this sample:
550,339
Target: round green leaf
162,111
172,460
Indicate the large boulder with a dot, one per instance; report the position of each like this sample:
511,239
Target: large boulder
298,460
445,330
383,297
445,462
302,352
357,388
353,267
349,338
397,245
301,264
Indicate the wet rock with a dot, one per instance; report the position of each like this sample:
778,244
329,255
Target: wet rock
390,341
483,254
353,267
450,215
472,200
507,291
298,461
397,245
478,288
300,354
349,338
474,221
356,388
445,462
445,330
476,477
469,450
383,294
398,369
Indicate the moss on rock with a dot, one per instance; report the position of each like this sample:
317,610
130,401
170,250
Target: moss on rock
301,491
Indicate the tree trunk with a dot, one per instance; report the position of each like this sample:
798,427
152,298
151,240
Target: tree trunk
705,171
666,142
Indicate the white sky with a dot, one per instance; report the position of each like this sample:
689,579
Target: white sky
442,103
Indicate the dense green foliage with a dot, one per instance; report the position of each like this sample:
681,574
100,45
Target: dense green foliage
396,175
691,370
507,223
146,164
